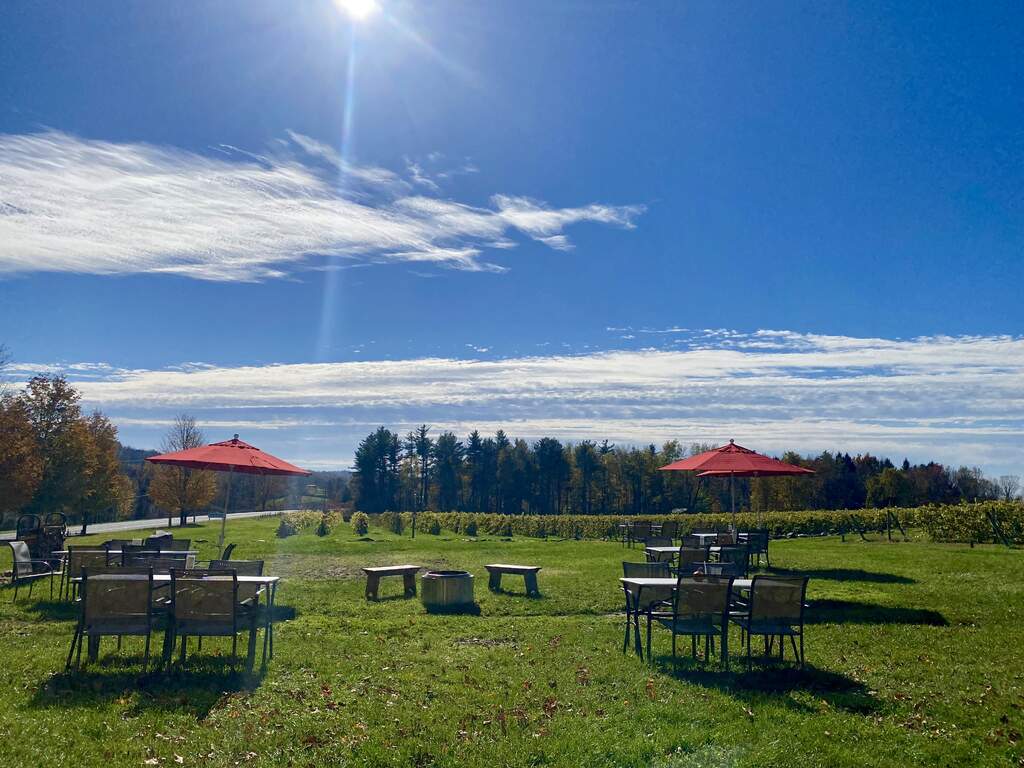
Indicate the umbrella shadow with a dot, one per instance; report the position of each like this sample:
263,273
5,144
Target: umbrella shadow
844,574
857,612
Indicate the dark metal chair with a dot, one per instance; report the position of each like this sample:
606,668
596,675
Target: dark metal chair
137,554
757,541
77,559
670,530
739,557
776,609
689,559
637,603
177,545
204,603
700,608
113,604
639,532
27,570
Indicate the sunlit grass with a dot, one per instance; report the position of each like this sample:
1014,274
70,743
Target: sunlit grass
913,658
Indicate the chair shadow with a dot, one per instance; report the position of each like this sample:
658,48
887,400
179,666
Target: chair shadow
206,681
773,678
857,612
843,574
55,610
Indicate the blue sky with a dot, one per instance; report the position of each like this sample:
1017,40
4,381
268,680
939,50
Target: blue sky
297,226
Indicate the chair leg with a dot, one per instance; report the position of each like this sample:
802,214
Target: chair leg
145,655
15,598
801,647
199,644
78,655
251,655
74,640
184,642
796,653
31,584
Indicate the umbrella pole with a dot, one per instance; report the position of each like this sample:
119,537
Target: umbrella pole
224,518
732,498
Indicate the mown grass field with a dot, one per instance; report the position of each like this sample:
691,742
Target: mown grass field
914,658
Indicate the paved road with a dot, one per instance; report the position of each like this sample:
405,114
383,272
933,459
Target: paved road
160,522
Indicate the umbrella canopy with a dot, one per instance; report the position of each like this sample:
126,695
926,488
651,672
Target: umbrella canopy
735,460
229,456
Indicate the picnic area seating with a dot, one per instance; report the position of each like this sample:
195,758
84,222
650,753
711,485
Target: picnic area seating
204,603
375,574
528,572
26,570
690,558
700,608
77,559
775,609
113,604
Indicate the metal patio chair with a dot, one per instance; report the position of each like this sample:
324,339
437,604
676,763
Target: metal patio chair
204,603
700,608
775,609
26,570
114,603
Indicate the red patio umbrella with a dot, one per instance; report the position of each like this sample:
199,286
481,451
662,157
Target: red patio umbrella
735,461
229,456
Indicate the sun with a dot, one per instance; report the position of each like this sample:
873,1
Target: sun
358,10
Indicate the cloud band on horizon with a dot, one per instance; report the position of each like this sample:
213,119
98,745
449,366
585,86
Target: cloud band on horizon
953,399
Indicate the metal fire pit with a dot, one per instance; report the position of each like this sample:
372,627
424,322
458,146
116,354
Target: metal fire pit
447,591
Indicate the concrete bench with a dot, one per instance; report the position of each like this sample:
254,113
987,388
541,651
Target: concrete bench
528,572
374,575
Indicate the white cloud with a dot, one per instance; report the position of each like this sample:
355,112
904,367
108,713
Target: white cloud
954,399
69,204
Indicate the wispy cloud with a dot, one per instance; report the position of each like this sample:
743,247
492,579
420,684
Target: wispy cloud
955,399
70,204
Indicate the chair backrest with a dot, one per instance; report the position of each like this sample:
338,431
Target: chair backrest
640,531
659,541
688,555
164,565
691,540
22,559
118,544
85,557
670,530
719,569
204,595
137,554
778,599
702,597
738,556
158,542
646,570
758,541
178,545
226,554
116,597
725,539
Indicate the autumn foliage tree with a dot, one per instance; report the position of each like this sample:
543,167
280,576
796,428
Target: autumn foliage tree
179,489
21,466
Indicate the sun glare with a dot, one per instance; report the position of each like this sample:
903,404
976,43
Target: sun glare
358,10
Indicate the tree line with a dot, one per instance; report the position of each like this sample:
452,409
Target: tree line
512,476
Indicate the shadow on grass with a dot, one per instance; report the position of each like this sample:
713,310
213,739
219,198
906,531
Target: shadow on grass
55,610
856,612
774,679
844,574
205,683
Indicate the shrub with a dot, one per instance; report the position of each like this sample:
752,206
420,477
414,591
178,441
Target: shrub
360,523
470,528
391,521
296,522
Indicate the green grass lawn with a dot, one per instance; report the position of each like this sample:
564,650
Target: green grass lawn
914,658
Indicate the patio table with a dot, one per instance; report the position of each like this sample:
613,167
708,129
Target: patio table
662,586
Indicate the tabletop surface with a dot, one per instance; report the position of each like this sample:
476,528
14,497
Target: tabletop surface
118,551
166,577
663,550
651,581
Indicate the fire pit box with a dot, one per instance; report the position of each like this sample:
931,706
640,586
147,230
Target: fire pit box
447,591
